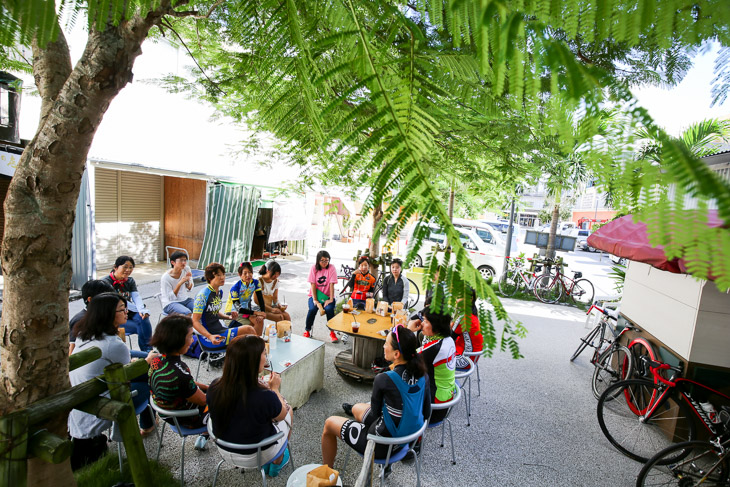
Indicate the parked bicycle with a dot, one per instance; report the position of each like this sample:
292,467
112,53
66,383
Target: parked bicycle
612,361
640,417
518,278
550,287
705,463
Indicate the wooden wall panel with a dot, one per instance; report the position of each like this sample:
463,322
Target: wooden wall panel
185,214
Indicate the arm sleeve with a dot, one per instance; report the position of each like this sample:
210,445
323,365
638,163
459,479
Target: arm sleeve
119,353
200,299
260,297
386,295
167,289
427,399
137,300
376,398
233,298
406,290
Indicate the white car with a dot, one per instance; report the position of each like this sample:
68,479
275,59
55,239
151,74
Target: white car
485,249
617,260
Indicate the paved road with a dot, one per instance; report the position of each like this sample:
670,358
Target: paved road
534,424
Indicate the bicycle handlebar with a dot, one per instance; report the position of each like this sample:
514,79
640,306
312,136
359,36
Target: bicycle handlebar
655,367
608,312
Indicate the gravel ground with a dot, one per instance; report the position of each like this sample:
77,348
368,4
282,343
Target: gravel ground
528,428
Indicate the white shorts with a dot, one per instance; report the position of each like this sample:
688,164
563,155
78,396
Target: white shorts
272,452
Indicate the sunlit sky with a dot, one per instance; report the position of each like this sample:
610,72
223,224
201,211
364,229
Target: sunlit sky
147,125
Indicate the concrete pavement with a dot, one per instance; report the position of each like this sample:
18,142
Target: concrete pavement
534,424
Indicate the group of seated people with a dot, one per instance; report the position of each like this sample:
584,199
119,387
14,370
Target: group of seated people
243,407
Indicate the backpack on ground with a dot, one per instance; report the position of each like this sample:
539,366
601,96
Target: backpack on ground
194,351
412,397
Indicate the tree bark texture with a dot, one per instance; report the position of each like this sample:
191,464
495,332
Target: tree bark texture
550,251
375,243
39,216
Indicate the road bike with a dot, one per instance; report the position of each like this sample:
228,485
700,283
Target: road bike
641,417
550,287
612,361
705,463
517,277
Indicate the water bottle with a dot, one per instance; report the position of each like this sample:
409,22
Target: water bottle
711,412
272,337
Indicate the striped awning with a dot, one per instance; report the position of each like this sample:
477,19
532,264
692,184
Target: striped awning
230,222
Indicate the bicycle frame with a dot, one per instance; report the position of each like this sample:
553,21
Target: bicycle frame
681,385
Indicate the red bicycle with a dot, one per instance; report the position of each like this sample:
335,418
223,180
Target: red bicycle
641,417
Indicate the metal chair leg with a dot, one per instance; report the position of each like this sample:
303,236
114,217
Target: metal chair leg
418,468
197,372
182,463
479,381
443,430
263,476
159,440
451,435
217,470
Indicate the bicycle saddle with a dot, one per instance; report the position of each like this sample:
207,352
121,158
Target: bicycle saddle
577,274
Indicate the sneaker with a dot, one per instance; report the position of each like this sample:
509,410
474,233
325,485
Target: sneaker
201,442
306,334
216,360
274,469
347,407
333,337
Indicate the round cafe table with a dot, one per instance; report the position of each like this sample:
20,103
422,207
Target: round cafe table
298,478
367,343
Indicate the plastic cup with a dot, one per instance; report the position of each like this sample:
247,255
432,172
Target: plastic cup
346,308
355,326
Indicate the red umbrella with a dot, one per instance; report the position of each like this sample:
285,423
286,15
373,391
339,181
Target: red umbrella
628,239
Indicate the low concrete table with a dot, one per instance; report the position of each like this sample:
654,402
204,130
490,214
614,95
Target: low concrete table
306,372
367,343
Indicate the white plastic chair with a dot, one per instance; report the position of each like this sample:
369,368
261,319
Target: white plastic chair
180,430
464,375
449,405
390,458
254,446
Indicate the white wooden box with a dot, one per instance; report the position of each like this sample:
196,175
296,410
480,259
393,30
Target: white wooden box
690,316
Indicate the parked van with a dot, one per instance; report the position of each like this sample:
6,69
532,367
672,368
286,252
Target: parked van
484,245
501,227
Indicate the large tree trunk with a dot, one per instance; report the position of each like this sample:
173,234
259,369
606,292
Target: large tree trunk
39,215
550,251
374,247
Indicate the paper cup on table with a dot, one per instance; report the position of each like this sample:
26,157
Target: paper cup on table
322,477
282,327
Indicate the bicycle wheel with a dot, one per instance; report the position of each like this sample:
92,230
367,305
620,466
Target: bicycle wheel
700,463
640,347
634,435
585,341
508,284
613,365
414,295
582,292
547,288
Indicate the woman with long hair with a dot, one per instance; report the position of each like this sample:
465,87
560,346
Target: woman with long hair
246,410
322,279
269,278
106,312
138,316
399,404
